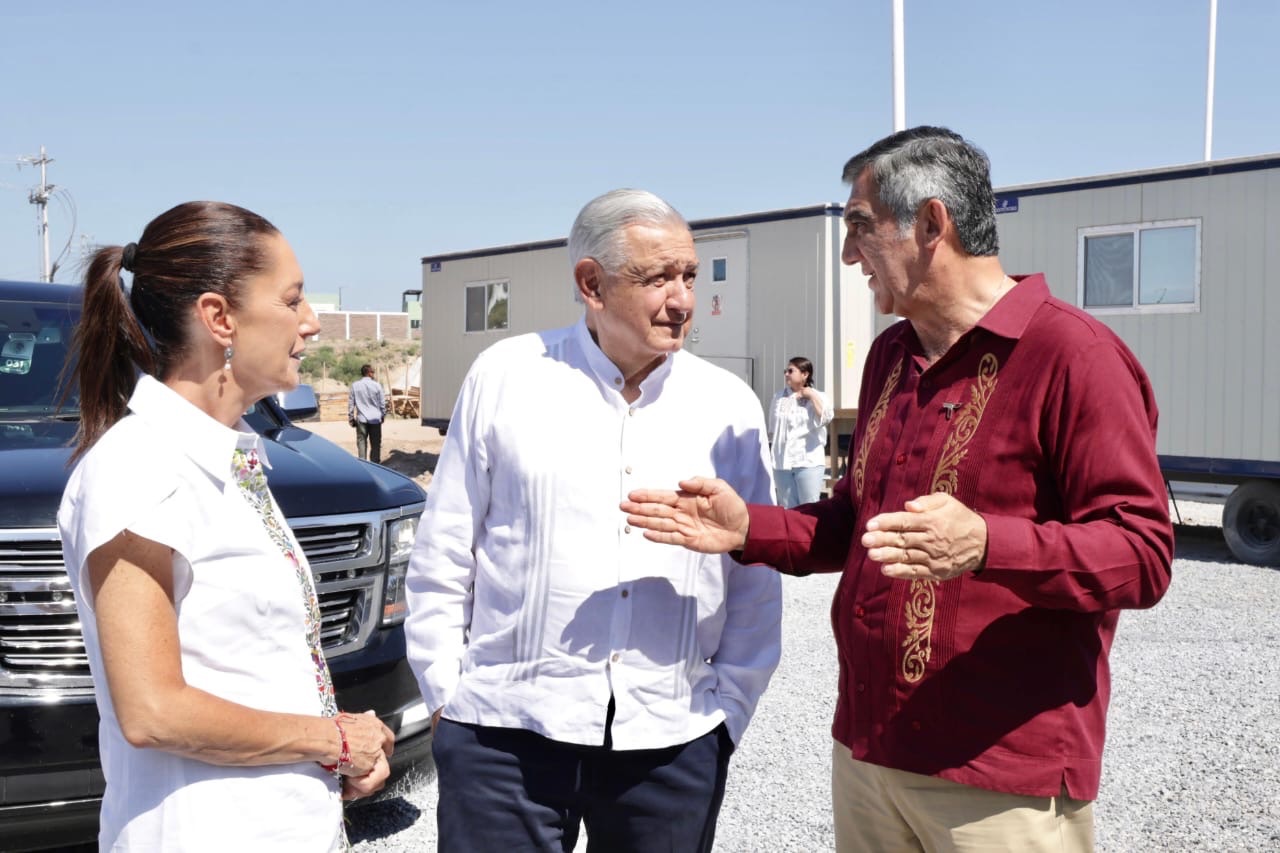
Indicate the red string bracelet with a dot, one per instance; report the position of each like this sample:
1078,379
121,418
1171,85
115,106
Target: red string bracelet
344,754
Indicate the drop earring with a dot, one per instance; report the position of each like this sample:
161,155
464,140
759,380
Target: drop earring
228,353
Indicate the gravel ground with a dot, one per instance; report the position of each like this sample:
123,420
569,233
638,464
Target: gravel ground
1193,750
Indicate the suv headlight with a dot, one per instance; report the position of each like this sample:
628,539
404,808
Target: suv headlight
401,535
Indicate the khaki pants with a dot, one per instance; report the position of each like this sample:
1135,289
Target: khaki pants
879,809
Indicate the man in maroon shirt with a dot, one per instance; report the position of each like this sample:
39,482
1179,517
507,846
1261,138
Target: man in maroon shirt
1003,504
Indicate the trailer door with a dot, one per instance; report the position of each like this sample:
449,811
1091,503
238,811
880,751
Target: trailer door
719,332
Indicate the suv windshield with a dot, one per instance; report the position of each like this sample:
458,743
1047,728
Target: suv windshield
34,340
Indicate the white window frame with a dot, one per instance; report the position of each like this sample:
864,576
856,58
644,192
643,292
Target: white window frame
1136,229
486,284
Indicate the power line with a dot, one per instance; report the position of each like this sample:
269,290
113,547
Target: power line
69,205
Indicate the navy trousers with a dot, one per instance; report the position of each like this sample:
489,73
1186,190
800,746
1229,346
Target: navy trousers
510,790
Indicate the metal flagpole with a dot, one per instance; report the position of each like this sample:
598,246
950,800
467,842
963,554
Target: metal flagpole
1208,102
899,86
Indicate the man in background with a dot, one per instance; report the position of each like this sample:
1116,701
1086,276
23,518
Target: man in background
366,407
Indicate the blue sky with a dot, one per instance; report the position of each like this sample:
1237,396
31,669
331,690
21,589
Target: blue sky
373,134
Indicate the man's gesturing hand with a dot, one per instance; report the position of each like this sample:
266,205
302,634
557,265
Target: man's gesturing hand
705,515
936,538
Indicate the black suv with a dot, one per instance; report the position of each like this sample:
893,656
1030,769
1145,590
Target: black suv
356,521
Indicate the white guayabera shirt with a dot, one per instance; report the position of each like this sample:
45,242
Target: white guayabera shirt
165,474
531,601
799,432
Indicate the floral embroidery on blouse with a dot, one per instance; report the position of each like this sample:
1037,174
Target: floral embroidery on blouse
253,485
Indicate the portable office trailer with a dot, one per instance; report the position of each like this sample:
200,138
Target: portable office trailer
770,286
1184,264
1178,261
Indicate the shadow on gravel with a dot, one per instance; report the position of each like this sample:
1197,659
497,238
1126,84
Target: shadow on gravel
1201,542
411,464
381,819
389,812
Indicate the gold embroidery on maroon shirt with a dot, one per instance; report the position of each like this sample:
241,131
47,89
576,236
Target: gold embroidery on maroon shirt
922,599
873,424
945,478
920,607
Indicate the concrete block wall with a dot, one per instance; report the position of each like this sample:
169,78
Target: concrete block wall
366,325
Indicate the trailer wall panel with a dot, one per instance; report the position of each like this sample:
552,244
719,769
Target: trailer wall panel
1213,367
1267,307
540,297
790,293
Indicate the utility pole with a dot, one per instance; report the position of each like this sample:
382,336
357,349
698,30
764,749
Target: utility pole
40,198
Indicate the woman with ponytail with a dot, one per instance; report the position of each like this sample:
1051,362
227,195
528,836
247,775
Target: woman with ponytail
219,727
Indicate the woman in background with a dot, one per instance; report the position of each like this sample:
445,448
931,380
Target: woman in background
219,729
798,425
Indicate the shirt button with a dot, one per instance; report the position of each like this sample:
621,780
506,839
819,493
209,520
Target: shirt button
628,469
625,593
862,687
617,380
631,411
627,529
902,459
859,612
614,657
915,725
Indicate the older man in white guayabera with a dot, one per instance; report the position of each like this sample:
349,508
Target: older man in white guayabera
580,673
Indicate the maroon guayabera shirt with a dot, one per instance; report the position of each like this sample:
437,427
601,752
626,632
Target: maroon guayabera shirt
1041,420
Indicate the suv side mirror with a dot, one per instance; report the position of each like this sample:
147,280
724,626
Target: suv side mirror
300,403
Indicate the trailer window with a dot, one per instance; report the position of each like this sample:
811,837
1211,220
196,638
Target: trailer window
719,269
1147,267
487,305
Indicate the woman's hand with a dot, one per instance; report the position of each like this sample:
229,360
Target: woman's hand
369,743
811,394
357,787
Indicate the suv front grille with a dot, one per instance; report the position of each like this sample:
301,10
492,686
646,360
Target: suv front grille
346,560
41,646
32,552
40,642
325,543
338,611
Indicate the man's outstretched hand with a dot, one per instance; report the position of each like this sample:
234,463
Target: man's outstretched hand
705,515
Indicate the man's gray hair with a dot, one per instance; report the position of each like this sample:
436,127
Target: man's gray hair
597,232
915,165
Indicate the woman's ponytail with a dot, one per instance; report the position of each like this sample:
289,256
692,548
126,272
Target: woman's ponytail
110,348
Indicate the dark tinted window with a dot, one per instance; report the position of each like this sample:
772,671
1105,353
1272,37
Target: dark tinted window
34,340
